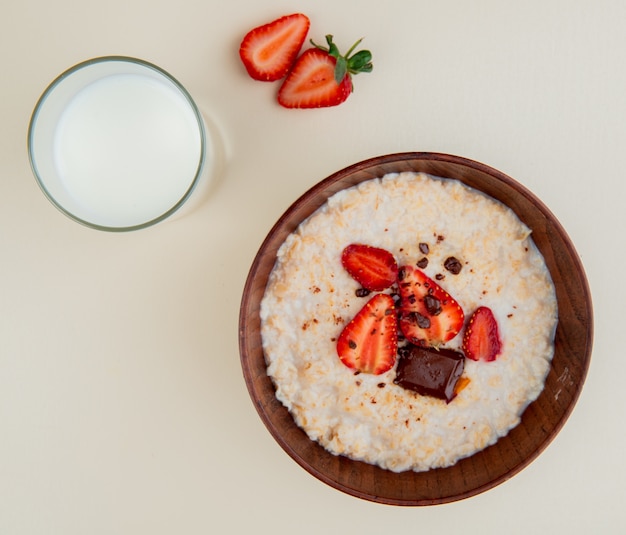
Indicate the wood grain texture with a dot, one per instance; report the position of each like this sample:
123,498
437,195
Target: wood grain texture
541,421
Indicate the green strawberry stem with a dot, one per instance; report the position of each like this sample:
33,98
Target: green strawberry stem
347,64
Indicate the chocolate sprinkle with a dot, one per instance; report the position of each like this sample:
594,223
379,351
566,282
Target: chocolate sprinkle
453,265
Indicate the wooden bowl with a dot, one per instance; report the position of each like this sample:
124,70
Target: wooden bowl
543,418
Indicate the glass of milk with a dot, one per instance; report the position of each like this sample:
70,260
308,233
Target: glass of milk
117,144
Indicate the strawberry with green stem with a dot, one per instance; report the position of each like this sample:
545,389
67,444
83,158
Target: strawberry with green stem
322,76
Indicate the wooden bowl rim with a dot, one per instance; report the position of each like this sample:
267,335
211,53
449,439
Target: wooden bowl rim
313,192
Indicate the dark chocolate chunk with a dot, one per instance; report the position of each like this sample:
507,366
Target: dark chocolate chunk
424,248
429,371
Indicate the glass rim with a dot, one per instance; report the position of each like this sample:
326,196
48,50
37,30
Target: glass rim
56,82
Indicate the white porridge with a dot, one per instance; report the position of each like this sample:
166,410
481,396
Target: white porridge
310,298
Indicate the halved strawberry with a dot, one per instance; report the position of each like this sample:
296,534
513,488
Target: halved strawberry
372,267
322,77
428,315
481,340
370,341
269,51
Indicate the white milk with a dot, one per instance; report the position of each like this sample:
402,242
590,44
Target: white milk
126,149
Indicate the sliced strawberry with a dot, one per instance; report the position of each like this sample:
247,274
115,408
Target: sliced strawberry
370,341
322,77
269,51
481,340
311,83
428,315
373,268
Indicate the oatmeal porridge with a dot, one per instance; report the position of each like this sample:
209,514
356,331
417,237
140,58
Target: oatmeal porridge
310,298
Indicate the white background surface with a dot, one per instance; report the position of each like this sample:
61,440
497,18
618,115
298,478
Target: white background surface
122,404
